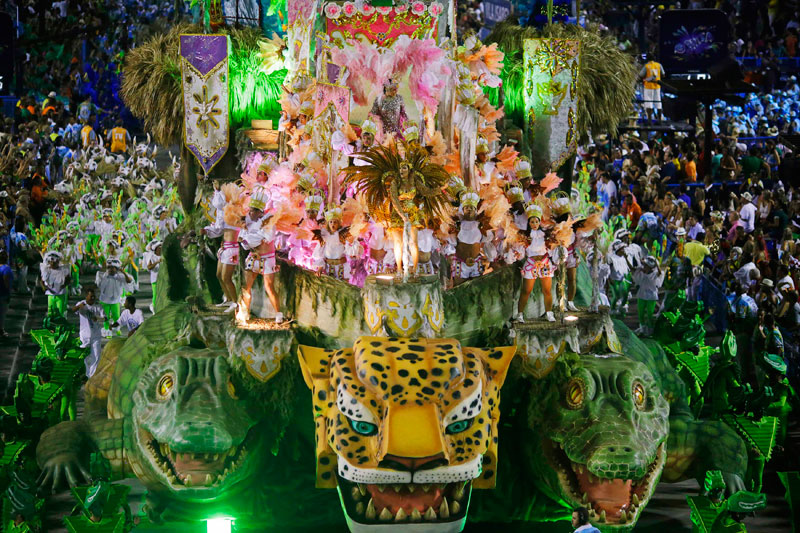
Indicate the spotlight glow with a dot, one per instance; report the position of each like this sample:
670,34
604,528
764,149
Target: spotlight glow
218,525
570,318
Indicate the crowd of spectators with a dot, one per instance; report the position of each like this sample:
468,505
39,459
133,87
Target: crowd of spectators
68,51
731,228
69,59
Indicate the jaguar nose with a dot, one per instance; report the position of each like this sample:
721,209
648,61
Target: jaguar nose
413,464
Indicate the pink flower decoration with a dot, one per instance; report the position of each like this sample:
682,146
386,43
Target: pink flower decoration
418,8
436,9
401,8
332,10
367,9
349,9
384,10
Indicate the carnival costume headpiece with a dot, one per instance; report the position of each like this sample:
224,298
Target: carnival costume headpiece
482,146
306,182
259,198
333,212
313,202
523,169
368,127
306,108
411,133
153,245
114,262
533,211
73,226
52,256
561,205
455,185
514,193
469,198
108,212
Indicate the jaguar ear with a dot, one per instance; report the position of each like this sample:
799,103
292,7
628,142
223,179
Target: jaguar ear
314,363
495,361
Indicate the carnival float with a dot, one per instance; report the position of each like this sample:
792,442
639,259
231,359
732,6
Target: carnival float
382,306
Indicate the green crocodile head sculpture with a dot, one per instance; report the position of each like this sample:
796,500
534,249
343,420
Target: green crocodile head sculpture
189,427
603,424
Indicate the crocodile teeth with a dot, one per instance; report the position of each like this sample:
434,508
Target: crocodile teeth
415,515
360,508
209,480
602,515
636,500
397,488
381,488
444,510
355,493
385,515
215,457
623,517
458,493
188,481
455,507
362,489
400,516
585,498
430,514
426,487
370,514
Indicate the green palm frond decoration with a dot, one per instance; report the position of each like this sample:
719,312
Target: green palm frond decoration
608,75
151,82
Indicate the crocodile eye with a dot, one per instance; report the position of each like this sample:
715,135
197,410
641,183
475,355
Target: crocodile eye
165,386
232,389
575,393
639,395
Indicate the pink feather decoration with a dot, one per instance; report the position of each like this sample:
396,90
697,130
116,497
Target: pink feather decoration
282,177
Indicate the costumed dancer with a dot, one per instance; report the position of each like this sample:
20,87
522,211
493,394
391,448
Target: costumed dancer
260,240
467,256
401,191
340,143
74,248
649,278
152,262
331,254
381,251
111,283
228,227
581,240
389,110
130,318
620,267
90,315
54,280
537,266
427,243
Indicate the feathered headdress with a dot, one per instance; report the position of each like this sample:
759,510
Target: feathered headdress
381,176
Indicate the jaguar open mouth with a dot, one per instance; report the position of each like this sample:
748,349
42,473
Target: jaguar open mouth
185,470
370,505
610,501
